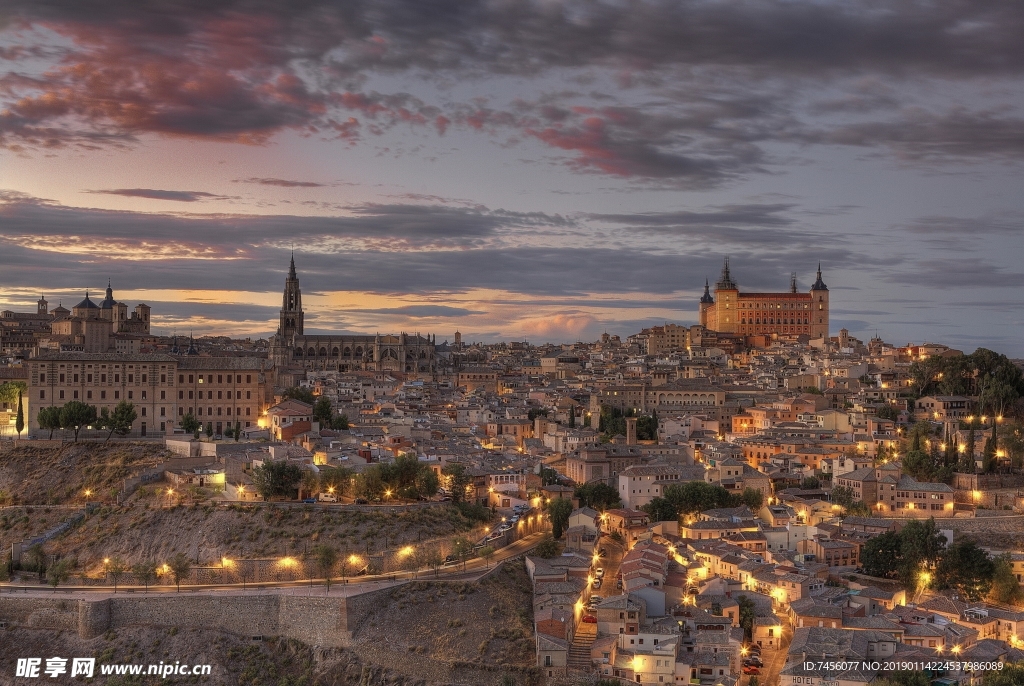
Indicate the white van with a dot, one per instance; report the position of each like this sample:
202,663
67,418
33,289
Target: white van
328,498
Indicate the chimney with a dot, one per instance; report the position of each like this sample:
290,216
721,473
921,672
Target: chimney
630,430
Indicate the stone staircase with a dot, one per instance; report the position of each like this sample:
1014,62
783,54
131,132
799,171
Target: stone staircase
579,651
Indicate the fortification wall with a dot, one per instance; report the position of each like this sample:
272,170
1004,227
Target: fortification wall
315,620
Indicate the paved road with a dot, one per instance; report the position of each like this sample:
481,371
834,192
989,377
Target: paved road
471,570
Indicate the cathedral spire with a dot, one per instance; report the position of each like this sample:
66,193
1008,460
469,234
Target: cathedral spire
725,281
291,267
706,298
819,285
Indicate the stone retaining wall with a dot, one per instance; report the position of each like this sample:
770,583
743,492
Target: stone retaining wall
319,621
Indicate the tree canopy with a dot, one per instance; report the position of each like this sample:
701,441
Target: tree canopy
299,393
599,496
276,478
559,510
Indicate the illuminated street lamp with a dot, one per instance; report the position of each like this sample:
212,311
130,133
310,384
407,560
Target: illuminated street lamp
88,493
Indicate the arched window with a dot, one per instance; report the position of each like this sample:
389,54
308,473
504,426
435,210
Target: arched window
298,352
347,352
334,351
323,352
311,352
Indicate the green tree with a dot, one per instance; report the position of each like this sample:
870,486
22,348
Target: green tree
337,480
559,510
752,498
487,552
697,496
462,549
309,484
1010,675
238,431
49,419
58,573
989,451
76,415
326,557
190,424
19,422
810,483
10,390
881,555
298,393
276,478
1005,587
920,547
965,568
339,422
599,496
843,496
144,572
323,412
116,569
458,480
969,465
748,611
209,429
535,412
547,548
119,421
180,567
548,476
660,510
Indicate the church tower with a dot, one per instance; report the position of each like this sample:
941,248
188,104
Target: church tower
706,301
291,306
726,300
819,308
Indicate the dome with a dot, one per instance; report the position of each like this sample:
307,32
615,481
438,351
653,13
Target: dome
108,302
86,304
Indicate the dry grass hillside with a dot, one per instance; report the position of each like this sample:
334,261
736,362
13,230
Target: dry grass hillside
36,475
139,532
455,633
427,634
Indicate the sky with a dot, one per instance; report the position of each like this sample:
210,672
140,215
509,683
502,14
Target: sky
516,169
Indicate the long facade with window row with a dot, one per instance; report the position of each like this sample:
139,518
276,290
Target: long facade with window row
765,314
218,391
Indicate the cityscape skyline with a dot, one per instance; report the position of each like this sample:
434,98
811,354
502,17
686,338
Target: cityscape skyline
546,171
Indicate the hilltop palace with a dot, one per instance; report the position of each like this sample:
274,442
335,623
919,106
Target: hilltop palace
293,351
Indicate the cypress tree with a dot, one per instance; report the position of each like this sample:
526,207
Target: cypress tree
19,422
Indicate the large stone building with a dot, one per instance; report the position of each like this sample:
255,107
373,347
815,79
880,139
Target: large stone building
218,391
294,352
765,314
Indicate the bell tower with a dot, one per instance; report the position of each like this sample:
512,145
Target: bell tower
819,308
291,305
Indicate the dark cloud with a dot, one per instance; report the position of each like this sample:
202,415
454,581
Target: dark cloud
382,248
421,311
244,71
153,194
750,225
283,183
958,272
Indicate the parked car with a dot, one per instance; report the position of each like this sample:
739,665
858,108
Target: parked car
328,498
309,500
589,619
618,583
364,571
599,572
753,660
450,558
597,583
752,670
753,648
362,501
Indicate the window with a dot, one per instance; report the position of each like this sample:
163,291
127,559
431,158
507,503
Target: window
181,378
88,378
163,378
117,395
143,410
248,378
220,395
143,378
220,378
62,395
247,413
130,395
76,395
143,395
131,378
163,395
103,378
248,395
181,411
190,377
190,394
103,395
62,378
163,411
181,395
238,379
117,378
238,395
42,395
76,378
88,395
